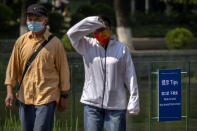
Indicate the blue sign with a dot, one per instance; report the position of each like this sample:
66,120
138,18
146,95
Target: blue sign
169,94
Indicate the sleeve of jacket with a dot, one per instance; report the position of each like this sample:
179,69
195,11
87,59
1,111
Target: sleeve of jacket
131,83
62,68
12,72
77,33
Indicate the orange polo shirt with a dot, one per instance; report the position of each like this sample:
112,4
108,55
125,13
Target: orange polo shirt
47,75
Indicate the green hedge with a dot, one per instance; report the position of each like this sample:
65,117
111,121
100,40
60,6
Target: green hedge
179,38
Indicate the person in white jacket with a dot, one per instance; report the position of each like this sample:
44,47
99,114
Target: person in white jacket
109,71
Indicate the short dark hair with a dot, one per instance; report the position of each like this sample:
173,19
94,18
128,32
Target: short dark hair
106,20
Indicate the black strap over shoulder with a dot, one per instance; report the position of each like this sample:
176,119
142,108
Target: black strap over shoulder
33,57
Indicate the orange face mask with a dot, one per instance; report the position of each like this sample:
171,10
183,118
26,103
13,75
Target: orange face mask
102,37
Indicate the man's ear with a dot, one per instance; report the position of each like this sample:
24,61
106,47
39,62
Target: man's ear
45,20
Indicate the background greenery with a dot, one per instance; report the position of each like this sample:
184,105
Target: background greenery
155,23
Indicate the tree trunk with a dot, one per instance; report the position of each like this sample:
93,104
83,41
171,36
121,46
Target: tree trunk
146,6
167,10
122,9
23,27
186,5
132,7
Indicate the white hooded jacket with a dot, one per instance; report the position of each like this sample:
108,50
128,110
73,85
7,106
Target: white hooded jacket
108,72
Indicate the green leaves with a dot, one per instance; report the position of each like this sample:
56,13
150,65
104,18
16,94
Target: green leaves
66,43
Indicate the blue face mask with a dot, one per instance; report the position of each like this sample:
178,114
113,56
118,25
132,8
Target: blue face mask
35,26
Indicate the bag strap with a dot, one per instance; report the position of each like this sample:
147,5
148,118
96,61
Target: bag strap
33,57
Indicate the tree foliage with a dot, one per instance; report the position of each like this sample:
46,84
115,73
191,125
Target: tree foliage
56,22
91,10
5,16
182,1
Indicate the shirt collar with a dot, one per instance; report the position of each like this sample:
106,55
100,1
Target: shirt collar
45,35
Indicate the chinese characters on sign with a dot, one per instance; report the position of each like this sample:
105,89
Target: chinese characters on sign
169,93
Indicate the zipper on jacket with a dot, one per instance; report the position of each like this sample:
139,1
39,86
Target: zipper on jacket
104,83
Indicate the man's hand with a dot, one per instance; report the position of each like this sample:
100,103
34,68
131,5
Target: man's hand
62,104
9,98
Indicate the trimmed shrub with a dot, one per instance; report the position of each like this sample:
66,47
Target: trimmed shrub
66,43
179,38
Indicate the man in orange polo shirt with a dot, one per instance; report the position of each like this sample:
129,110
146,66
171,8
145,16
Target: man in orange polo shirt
46,82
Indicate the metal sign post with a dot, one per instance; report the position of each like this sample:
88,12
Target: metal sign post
169,96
